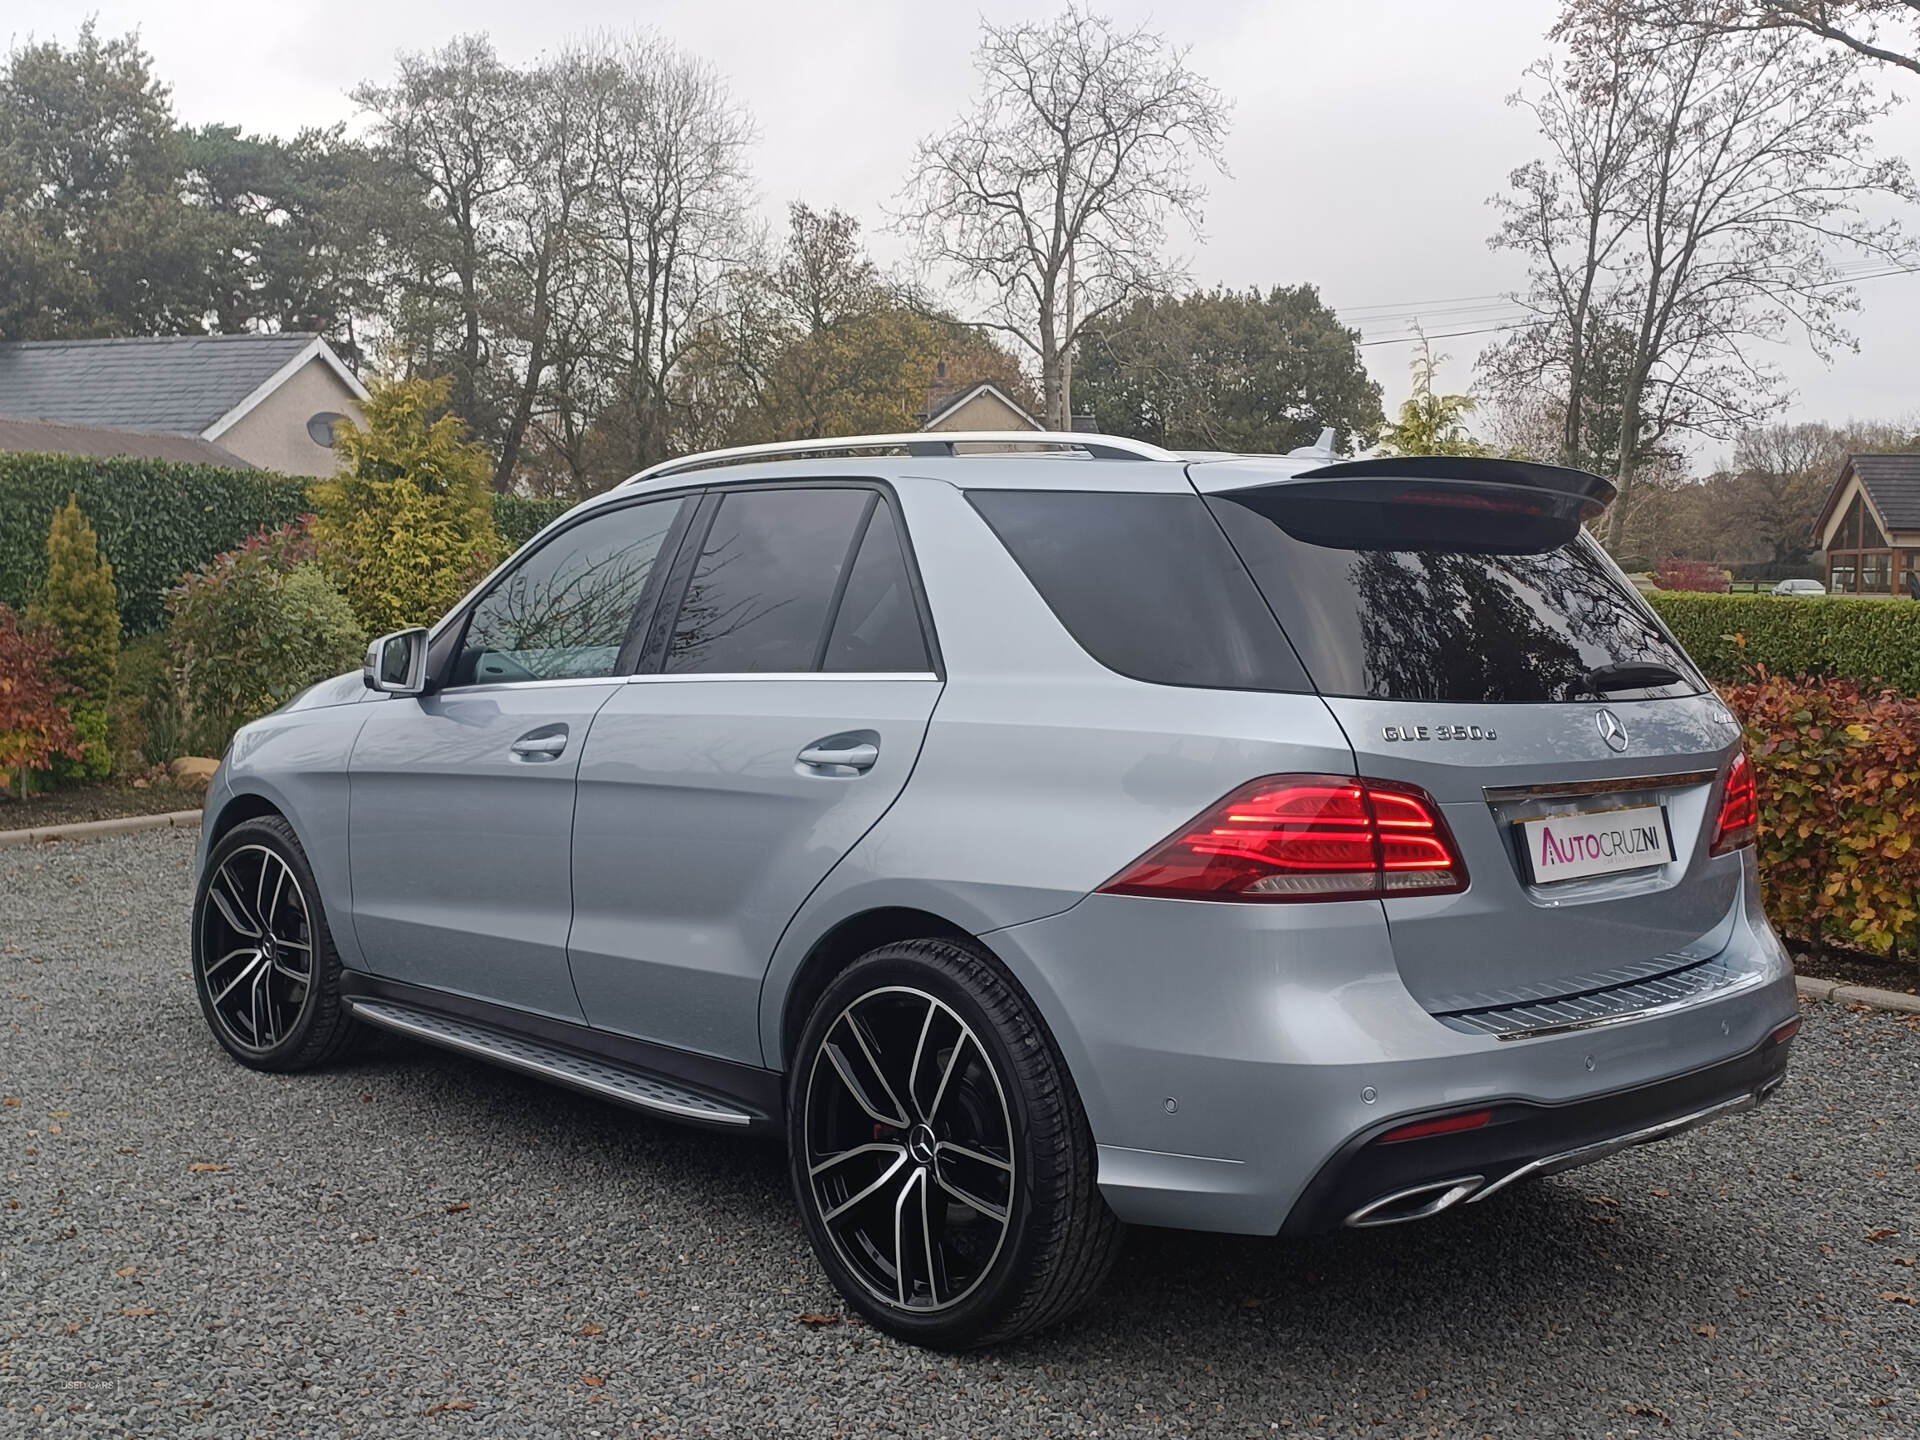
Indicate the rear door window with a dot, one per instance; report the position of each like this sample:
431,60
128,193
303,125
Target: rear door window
766,577
1146,584
1443,602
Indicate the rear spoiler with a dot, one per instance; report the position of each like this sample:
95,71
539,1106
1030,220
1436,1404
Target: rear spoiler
1593,492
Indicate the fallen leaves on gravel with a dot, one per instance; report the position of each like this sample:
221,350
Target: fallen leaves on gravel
594,1382
815,1317
1883,1233
130,1270
446,1405
1899,1297
205,1167
138,1312
592,1329
1707,1330
1650,1412
10,1100
457,1208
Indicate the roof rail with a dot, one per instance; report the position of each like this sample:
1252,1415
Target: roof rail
917,443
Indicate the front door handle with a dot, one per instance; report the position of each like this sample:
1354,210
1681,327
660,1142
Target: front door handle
541,744
840,754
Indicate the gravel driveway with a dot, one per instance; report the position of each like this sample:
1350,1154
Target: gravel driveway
416,1244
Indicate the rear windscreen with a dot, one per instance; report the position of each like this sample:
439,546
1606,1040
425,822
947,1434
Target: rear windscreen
1444,602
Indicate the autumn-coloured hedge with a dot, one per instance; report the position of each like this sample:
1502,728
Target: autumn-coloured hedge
1876,642
1839,776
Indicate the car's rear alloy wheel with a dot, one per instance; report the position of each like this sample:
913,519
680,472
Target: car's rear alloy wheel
939,1151
909,1148
263,961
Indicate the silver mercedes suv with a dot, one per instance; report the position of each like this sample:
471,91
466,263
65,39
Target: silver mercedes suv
1040,833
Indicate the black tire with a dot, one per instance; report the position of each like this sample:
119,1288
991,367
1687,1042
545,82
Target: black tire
981,1058
267,1009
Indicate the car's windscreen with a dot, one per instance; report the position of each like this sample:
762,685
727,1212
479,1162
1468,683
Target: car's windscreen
1377,607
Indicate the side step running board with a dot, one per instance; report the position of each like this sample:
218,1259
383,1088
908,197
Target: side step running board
548,1062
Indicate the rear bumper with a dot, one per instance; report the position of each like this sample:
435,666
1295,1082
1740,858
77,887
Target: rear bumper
1235,1062
1373,1183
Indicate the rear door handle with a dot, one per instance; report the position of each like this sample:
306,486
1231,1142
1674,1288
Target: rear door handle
838,753
541,744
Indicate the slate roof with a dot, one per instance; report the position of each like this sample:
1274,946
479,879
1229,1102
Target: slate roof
1893,484
46,437
180,384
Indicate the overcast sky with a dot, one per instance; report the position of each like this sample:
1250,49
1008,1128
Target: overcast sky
1366,139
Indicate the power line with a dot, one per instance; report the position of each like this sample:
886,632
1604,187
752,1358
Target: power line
1852,272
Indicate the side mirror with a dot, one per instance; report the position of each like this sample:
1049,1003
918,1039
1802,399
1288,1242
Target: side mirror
396,664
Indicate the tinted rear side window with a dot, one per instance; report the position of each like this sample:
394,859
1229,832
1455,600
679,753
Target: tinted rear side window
1146,584
877,628
758,598
1443,624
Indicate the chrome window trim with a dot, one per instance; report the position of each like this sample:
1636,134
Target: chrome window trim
689,677
554,683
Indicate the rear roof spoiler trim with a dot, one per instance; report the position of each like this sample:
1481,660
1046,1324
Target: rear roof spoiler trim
1470,470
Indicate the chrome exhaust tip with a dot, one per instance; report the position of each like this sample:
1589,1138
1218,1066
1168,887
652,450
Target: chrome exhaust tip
1418,1203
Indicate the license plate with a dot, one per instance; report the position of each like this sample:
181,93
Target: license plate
1596,842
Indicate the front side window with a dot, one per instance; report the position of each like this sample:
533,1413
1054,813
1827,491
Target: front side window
564,611
766,577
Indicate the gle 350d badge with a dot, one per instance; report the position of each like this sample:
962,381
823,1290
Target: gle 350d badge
1438,732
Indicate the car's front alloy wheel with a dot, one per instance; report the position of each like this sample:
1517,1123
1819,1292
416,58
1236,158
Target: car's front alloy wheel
939,1152
263,960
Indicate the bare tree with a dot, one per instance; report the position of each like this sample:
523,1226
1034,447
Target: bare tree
1781,475
1049,200
446,123
670,233
1743,159
542,295
1573,215
1861,26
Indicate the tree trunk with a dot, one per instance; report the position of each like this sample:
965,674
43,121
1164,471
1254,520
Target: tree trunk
522,416
1625,466
1065,421
1049,371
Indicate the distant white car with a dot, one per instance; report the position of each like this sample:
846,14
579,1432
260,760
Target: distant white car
1799,587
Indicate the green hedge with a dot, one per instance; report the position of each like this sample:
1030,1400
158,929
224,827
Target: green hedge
156,520
1874,641
517,517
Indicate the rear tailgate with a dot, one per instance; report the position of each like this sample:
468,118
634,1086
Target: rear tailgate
1521,932
1472,641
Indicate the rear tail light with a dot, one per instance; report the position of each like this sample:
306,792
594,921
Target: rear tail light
1739,808
1304,837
